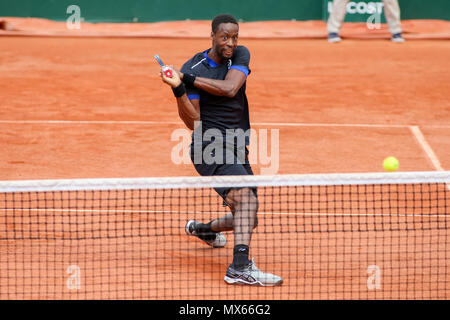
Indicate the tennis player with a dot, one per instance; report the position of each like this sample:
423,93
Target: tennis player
210,93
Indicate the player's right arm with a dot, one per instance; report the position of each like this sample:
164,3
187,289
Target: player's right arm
188,110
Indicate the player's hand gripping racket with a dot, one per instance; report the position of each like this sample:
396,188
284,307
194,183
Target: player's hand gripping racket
167,71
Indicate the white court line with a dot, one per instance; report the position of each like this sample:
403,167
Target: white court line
274,124
350,125
326,214
426,148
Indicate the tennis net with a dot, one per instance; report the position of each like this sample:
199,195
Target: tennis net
334,236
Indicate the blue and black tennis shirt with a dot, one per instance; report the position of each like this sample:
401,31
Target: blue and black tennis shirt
220,112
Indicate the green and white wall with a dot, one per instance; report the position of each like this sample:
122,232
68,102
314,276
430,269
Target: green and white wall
245,10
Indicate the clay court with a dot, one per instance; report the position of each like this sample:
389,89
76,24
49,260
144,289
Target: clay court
94,107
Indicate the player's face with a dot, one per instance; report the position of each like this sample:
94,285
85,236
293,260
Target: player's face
225,40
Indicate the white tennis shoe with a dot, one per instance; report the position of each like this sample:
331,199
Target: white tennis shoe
251,275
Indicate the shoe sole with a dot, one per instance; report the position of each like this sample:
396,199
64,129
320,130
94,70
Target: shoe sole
234,281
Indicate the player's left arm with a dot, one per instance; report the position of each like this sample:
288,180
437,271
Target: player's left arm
234,80
228,87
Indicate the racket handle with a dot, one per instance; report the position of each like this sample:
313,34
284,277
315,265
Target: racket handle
167,72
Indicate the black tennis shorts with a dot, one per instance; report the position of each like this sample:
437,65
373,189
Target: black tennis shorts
223,167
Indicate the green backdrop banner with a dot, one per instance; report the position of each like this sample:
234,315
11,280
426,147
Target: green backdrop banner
245,10
358,11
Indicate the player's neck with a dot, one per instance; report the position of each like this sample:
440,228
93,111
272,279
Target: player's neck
212,54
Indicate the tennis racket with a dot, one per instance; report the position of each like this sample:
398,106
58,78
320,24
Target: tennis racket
167,71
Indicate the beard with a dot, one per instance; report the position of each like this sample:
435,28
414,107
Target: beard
223,55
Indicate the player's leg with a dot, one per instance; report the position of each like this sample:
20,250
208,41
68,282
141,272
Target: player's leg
392,13
210,232
226,223
244,221
245,204
243,270
335,20
207,232
222,224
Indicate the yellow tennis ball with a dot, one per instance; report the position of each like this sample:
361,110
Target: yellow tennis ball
390,164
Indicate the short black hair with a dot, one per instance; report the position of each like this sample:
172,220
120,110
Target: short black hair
222,18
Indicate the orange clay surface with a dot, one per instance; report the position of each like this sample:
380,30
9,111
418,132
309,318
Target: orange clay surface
95,107
340,108
412,29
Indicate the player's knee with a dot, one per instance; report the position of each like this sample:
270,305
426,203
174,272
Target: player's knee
240,197
248,199
245,201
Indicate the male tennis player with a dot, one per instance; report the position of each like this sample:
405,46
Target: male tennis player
210,93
